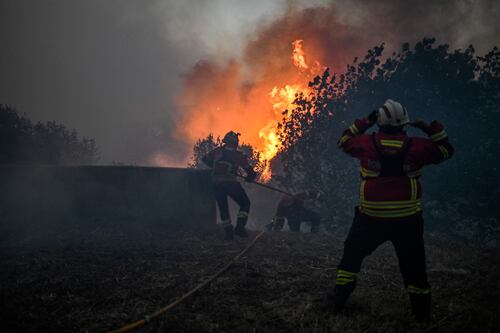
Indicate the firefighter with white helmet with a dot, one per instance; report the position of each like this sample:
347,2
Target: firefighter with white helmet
225,162
390,207
393,114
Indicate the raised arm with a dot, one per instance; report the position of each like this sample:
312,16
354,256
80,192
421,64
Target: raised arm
349,142
437,147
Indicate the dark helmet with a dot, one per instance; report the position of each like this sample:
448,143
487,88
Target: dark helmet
231,139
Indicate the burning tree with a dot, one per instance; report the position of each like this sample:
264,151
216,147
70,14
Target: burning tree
217,97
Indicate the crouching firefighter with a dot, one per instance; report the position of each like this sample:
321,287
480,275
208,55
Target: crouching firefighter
292,208
390,200
225,162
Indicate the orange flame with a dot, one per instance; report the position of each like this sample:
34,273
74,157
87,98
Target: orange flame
282,99
298,55
219,99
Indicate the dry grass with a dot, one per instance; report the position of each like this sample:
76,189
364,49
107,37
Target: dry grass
277,287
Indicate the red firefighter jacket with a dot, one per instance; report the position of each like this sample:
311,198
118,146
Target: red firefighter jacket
225,164
385,193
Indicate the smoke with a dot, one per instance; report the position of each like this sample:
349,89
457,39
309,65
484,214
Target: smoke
147,79
458,23
234,95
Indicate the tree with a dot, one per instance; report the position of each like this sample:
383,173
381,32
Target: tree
22,142
201,148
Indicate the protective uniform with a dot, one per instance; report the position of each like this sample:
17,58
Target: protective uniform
390,202
292,208
225,162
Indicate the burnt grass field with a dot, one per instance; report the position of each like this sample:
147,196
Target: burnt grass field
102,283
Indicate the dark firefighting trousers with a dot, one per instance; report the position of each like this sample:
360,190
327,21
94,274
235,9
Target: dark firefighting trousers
295,218
235,191
406,235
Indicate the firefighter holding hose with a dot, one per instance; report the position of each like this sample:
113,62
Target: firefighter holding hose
225,162
390,199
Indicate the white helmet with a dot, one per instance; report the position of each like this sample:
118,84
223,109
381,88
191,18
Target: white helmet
392,113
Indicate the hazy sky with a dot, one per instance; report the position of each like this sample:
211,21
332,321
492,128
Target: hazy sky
111,68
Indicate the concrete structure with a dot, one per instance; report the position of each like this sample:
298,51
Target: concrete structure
34,199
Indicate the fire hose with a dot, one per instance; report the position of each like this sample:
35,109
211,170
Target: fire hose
267,186
148,318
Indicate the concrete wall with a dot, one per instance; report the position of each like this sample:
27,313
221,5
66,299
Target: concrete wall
34,199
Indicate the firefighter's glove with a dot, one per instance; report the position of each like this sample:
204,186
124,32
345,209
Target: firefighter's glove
420,124
251,175
372,117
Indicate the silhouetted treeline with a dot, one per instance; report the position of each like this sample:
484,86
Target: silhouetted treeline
457,87
25,142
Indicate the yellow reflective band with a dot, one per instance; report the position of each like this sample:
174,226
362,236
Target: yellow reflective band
368,173
225,222
414,189
362,190
439,136
385,206
391,213
383,203
354,130
242,214
444,151
342,283
390,209
345,277
343,139
341,272
392,143
420,291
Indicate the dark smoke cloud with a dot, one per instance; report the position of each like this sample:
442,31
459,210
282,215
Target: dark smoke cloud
106,68
458,23
112,69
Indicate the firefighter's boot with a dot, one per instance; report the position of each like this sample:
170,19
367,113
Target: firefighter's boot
240,225
344,286
421,306
229,232
337,297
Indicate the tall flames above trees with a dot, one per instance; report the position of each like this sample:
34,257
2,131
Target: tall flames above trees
249,94
256,117
282,99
